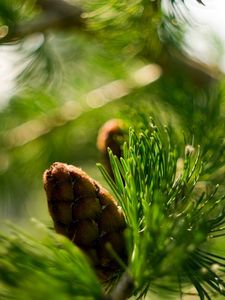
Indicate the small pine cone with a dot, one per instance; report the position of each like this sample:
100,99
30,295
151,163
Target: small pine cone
111,135
86,213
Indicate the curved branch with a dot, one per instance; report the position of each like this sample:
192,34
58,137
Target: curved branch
54,14
71,110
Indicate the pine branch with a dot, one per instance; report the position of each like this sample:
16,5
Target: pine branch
54,14
171,221
112,91
60,14
46,267
171,226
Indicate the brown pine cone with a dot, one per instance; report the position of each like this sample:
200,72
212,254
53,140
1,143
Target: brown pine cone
86,213
111,135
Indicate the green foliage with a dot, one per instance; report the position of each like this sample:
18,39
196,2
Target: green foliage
171,221
175,214
47,267
112,20
14,11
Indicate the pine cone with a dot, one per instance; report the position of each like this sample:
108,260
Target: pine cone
86,213
111,135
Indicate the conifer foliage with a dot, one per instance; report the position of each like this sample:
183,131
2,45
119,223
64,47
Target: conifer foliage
171,223
155,224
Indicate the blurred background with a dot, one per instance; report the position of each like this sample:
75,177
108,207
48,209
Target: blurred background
67,67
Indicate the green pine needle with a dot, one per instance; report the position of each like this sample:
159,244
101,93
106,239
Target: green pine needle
51,268
171,221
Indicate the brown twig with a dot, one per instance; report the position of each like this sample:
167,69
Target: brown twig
54,14
123,289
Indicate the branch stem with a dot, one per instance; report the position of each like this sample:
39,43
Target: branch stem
123,289
54,14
